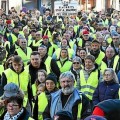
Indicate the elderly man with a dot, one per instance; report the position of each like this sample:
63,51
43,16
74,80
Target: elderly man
67,98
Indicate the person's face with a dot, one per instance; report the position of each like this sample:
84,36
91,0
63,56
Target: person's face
100,39
33,34
108,76
76,65
42,51
64,42
82,54
110,53
26,31
16,30
64,53
67,85
118,29
50,85
35,60
116,40
38,36
45,41
89,64
86,37
13,108
23,43
41,77
17,66
67,36
95,46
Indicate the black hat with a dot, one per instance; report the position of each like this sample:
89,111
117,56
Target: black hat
64,115
53,77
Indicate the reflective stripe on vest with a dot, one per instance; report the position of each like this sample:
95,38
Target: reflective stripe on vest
65,67
48,64
25,57
100,57
115,62
22,80
42,103
88,86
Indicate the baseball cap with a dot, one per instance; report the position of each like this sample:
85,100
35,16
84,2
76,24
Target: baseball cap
45,37
95,117
10,89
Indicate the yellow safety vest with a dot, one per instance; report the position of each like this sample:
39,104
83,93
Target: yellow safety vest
25,57
88,87
14,38
42,103
115,62
48,64
1,69
65,67
100,57
36,44
22,80
50,51
34,90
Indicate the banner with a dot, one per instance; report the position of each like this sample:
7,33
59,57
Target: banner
65,8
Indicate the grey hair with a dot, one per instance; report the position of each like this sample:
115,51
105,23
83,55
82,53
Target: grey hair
115,78
68,75
76,58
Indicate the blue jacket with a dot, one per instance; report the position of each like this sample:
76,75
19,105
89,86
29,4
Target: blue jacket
105,90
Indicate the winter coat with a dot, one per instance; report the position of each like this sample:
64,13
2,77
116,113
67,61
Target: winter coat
105,90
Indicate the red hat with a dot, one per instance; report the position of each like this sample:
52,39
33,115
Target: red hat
8,21
45,37
85,32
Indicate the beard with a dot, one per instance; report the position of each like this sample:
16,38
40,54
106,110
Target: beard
67,90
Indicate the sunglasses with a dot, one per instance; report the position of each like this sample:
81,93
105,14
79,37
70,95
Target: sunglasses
76,63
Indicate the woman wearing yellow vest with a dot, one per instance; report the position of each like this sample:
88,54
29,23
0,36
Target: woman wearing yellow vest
63,62
42,100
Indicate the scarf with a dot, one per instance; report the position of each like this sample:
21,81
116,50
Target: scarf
15,117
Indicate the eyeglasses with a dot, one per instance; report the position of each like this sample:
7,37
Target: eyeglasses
76,63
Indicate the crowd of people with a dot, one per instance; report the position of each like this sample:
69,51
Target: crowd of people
59,67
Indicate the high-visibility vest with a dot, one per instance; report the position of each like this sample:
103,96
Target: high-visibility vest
100,57
22,80
14,38
1,69
88,86
48,64
34,89
42,103
50,50
65,67
25,57
115,62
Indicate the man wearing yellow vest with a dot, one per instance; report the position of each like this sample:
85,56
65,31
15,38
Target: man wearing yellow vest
67,98
96,52
18,75
90,76
51,65
23,51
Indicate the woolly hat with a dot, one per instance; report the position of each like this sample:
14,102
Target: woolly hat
53,77
64,115
85,32
95,117
45,37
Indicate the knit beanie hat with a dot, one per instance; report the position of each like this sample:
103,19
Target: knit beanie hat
53,77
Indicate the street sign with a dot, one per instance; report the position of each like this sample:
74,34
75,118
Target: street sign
65,8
